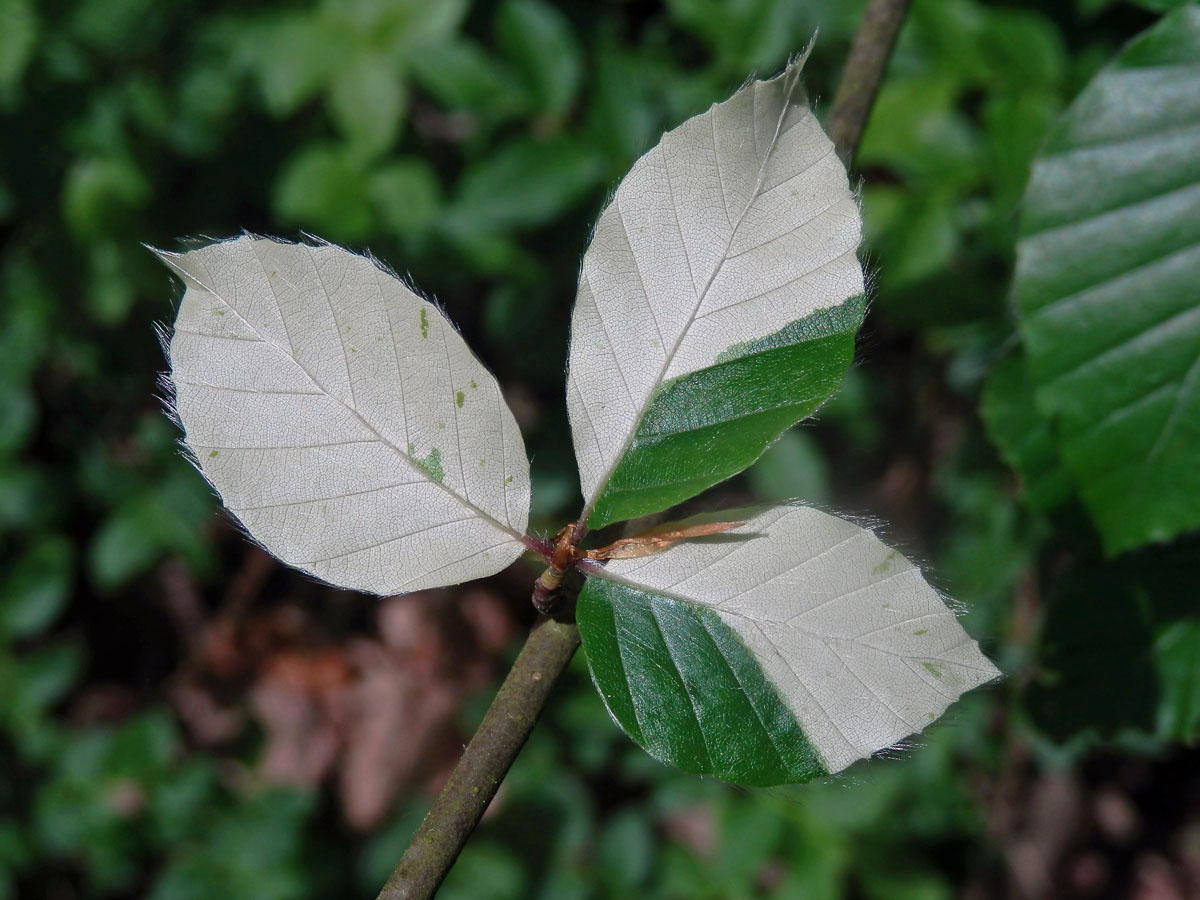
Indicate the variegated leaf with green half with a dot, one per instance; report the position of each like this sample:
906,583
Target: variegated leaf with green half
342,418
783,650
1108,286
718,302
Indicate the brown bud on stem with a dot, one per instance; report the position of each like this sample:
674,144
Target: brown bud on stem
546,593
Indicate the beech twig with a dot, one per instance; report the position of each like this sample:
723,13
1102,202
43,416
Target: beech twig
483,765
863,73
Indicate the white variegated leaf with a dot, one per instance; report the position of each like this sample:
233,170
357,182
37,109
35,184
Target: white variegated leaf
738,225
786,648
342,418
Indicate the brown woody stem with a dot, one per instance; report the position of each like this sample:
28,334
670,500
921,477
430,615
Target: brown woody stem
483,765
552,643
863,73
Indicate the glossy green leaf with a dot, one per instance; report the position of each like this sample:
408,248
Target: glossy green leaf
779,651
702,428
1108,287
717,303
1022,435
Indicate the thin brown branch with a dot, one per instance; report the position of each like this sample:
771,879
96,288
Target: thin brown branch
486,761
863,73
551,643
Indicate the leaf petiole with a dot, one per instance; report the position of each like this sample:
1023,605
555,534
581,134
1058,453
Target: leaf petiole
565,552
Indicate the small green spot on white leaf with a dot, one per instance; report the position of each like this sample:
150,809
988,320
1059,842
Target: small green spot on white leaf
409,493
935,671
458,399
884,564
432,463
473,384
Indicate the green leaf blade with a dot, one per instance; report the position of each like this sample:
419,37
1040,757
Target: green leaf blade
713,712
1108,287
704,427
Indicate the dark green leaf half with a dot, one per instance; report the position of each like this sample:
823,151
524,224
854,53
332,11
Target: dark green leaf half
1108,287
703,703
707,426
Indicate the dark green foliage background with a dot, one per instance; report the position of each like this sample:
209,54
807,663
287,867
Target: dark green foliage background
471,145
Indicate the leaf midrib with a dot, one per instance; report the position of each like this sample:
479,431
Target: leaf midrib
602,572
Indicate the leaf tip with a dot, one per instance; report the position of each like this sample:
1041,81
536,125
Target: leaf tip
797,60
164,256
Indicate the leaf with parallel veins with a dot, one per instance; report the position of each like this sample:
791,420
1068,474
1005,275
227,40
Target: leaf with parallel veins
717,303
1107,287
779,651
342,418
